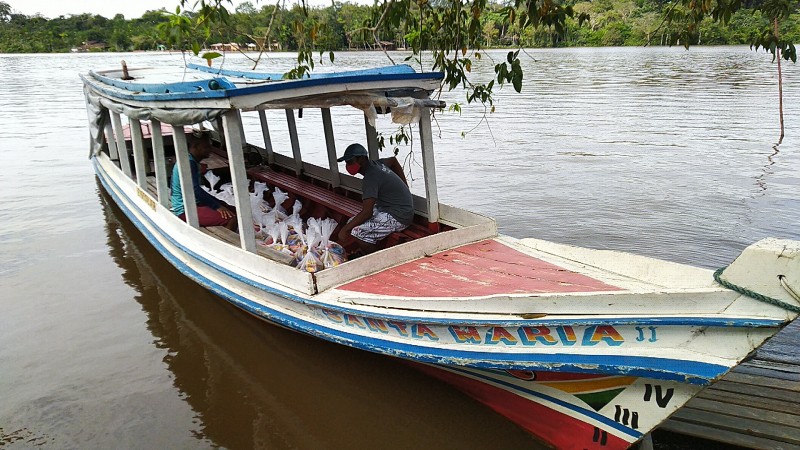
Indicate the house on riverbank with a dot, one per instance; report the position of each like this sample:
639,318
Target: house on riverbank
90,46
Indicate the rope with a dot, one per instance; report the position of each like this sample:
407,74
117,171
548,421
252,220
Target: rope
789,288
760,297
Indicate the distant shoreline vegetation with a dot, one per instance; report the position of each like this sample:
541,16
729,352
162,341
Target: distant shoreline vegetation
341,27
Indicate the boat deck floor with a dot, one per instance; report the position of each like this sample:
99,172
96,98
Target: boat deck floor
484,268
488,267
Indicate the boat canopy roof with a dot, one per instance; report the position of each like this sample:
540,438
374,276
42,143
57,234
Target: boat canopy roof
179,95
205,87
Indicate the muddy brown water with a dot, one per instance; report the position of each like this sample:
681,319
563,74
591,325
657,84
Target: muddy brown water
103,344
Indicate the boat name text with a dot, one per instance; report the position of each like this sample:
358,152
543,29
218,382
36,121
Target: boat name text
525,335
146,198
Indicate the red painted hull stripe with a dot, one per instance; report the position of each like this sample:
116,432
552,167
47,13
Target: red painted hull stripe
553,427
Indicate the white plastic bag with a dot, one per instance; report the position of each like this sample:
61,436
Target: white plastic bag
279,196
406,111
294,220
310,262
273,234
308,259
226,194
257,205
258,188
212,179
332,254
326,229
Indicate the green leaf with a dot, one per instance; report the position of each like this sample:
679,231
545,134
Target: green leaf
211,55
195,48
517,82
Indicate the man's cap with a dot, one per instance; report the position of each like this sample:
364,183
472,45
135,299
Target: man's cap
353,151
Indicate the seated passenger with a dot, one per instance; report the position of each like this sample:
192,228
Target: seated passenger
387,202
210,211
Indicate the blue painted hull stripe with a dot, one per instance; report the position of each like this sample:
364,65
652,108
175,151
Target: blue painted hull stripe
661,368
586,412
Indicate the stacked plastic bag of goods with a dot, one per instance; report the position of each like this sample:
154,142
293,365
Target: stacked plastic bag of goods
309,243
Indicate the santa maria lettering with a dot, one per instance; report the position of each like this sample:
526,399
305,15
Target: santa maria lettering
603,335
560,335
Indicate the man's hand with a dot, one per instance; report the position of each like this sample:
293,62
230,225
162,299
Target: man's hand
344,233
224,212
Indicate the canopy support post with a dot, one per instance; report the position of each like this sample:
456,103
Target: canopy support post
244,213
429,169
124,157
241,126
185,176
139,161
109,133
372,139
160,161
298,158
267,154
327,125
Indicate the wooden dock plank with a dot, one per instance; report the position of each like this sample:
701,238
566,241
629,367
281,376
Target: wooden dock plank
741,425
738,398
783,346
770,369
756,391
755,405
754,380
726,436
755,413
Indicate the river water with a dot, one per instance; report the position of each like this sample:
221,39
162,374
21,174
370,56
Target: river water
657,151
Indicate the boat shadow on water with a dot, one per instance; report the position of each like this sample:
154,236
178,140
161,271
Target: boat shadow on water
256,386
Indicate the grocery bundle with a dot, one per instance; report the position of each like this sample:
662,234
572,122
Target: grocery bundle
309,242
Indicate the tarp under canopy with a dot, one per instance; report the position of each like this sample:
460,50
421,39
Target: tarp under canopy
97,108
404,110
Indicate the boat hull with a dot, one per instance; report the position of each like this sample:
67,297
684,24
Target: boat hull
573,383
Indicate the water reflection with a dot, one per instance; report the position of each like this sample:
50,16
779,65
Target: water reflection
761,180
253,385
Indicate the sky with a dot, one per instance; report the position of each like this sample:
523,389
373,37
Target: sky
131,9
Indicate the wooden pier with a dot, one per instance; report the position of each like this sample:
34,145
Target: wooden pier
756,405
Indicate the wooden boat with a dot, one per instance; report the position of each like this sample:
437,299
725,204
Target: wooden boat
583,348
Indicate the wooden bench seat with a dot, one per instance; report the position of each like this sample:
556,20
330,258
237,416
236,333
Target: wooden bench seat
336,202
332,200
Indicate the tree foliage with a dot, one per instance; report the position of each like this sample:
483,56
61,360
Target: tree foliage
443,35
454,32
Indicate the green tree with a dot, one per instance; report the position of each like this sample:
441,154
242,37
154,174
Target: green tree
5,12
